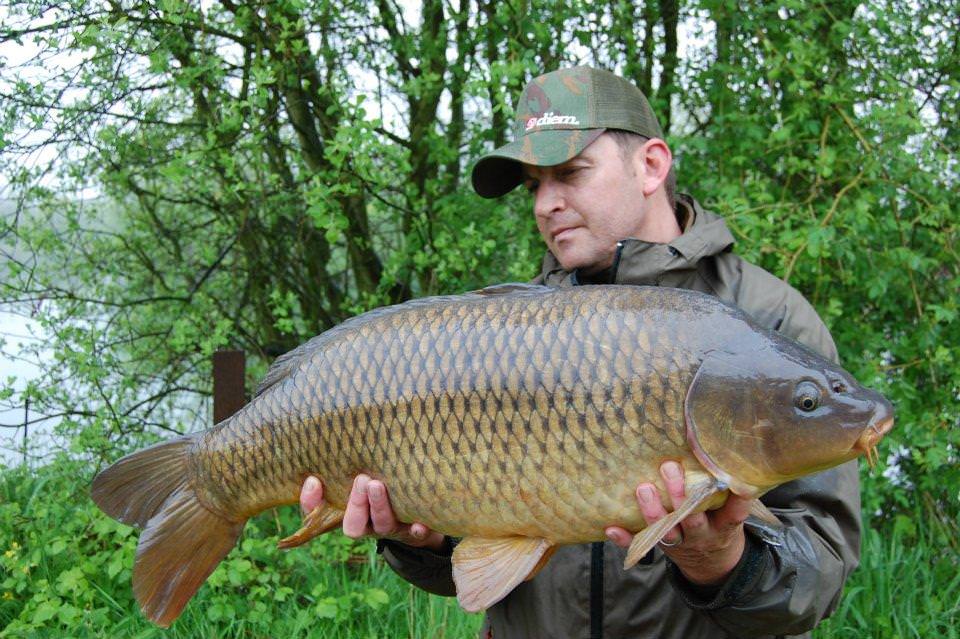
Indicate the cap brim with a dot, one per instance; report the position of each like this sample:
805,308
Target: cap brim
500,171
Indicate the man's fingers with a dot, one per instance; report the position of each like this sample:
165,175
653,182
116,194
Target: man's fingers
653,511
381,512
311,494
673,479
619,536
672,474
650,504
369,512
733,513
356,517
418,531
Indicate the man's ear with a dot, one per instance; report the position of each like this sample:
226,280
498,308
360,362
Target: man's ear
652,162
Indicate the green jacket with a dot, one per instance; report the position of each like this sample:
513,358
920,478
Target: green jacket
788,579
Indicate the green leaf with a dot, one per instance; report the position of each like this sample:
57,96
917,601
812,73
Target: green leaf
70,581
115,566
376,598
327,608
47,610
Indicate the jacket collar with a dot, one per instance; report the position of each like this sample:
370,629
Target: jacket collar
639,262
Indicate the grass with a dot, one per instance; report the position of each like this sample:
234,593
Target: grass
904,587
65,570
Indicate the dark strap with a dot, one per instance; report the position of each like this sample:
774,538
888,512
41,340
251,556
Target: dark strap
596,590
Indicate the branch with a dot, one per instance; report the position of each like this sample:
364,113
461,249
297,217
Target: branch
397,38
823,223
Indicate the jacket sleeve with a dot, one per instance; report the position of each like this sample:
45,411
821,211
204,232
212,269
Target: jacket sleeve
427,569
791,577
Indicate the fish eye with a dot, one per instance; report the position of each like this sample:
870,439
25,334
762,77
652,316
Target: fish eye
806,397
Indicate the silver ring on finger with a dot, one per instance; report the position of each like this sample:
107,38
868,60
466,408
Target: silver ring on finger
665,544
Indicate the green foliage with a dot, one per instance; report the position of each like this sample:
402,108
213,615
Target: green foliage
184,177
66,569
835,178
905,587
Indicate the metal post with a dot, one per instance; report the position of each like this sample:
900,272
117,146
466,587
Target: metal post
228,388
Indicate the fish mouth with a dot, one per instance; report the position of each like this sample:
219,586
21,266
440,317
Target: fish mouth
867,444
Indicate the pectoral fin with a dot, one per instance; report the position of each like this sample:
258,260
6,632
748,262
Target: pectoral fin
647,538
318,521
761,512
486,570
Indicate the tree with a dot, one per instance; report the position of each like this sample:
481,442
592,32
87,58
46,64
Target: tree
263,171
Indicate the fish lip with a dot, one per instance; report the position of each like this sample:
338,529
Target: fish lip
885,425
871,436
874,432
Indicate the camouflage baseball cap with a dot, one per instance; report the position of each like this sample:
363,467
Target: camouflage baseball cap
559,114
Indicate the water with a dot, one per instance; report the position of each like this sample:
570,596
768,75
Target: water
16,330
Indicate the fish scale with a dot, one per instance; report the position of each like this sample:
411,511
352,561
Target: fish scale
481,430
518,418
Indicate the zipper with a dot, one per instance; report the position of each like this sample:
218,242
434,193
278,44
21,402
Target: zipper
616,263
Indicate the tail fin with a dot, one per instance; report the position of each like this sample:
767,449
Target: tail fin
182,542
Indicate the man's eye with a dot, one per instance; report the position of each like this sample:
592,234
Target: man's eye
566,173
531,186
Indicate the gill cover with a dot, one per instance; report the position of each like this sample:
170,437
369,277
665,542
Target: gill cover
720,412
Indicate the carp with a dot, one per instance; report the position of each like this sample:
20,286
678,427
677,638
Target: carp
517,418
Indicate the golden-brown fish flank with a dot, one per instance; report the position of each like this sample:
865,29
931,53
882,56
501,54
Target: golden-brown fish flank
517,418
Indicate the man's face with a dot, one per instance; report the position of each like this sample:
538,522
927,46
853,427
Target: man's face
586,205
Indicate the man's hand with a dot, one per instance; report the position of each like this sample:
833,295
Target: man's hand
705,546
369,512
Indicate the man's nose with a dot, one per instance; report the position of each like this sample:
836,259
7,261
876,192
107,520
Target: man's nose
549,199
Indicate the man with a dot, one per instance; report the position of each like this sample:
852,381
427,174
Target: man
590,151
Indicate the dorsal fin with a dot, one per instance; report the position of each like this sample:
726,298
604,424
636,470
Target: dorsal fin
512,287
286,364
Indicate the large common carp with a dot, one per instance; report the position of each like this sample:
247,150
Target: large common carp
517,418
